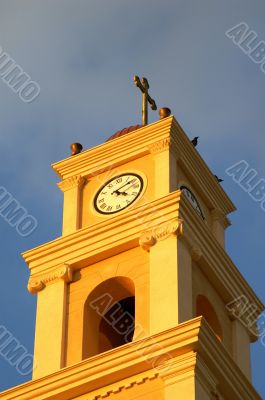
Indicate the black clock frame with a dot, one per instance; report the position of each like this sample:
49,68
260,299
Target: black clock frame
112,179
198,204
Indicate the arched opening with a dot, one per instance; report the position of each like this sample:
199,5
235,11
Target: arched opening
109,316
117,325
205,309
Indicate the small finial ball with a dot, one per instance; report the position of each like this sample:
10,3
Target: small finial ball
164,112
76,148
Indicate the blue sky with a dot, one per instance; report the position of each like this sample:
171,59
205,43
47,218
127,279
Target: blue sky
83,54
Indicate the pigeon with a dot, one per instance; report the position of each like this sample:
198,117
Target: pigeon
195,141
218,179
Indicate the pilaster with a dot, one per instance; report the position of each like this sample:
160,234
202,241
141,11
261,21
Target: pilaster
165,156
241,347
171,285
72,188
219,224
50,333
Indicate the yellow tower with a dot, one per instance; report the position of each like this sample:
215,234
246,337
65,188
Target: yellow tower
138,298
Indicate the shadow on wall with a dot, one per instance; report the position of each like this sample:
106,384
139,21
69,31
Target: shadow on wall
109,317
205,309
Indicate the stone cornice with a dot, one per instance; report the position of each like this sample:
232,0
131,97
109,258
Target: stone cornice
127,386
160,232
120,233
39,282
76,181
116,152
94,375
159,136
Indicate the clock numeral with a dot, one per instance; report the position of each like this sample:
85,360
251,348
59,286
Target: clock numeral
125,187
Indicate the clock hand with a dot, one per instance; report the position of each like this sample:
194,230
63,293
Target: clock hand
117,191
129,188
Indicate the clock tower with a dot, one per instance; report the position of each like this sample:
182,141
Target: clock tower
138,298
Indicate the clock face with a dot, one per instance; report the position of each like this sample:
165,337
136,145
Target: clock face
118,193
192,199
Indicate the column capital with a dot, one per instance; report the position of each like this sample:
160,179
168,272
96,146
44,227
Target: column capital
160,232
218,215
76,181
38,283
159,146
246,314
163,145
196,253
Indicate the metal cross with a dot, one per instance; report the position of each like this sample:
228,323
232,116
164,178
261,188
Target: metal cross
144,86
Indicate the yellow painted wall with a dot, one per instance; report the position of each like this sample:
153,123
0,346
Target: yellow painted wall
143,166
132,264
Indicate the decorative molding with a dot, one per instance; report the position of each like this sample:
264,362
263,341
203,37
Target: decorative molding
126,386
247,317
160,232
165,144
120,233
218,215
196,253
147,241
180,368
38,283
95,375
174,227
35,285
77,181
135,145
159,146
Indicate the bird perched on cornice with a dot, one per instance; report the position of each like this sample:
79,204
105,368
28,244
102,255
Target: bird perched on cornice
218,179
195,141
